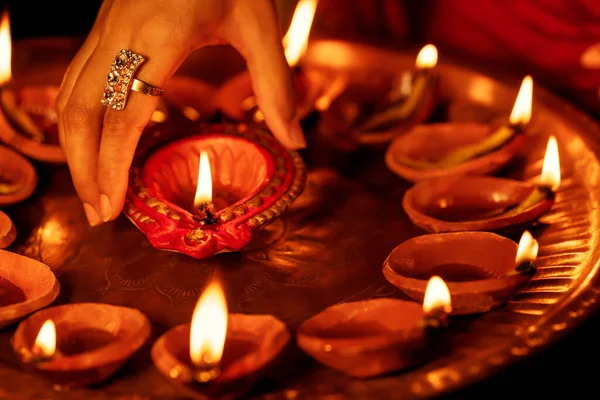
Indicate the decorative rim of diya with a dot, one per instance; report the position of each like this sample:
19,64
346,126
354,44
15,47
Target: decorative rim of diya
484,252
133,326
171,227
271,343
31,144
22,180
430,193
425,139
368,355
8,232
237,90
34,278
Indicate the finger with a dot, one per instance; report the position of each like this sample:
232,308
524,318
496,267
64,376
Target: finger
259,41
77,63
82,124
122,128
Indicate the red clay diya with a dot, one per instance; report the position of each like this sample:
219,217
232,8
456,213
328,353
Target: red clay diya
378,336
80,344
236,98
254,179
26,285
435,150
482,269
219,355
18,178
476,203
8,232
410,100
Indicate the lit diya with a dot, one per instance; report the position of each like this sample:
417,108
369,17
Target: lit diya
435,150
80,344
410,100
474,203
204,189
236,97
374,337
26,285
28,120
219,355
482,269
8,232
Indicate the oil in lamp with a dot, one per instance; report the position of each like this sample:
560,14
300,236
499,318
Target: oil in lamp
8,232
482,269
202,189
28,121
219,355
410,100
374,337
443,149
236,97
80,344
26,285
475,203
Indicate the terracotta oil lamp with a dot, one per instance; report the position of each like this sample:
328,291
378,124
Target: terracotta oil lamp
80,344
378,336
28,121
26,285
185,97
236,97
476,203
410,100
205,189
8,232
436,150
482,269
219,355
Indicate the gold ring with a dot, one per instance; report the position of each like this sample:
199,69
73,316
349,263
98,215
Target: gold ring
121,79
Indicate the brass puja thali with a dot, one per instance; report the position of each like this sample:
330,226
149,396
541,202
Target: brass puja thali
328,248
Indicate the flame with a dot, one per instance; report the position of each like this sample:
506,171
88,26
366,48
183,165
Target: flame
204,188
295,40
45,341
5,49
209,326
437,296
528,249
427,57
521,112
551,167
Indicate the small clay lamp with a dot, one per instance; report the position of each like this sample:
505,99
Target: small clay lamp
205,189
236,97
80,344
482,269
26,285
28,121
187,97
476,203
8,232
18,178
374,337
219,355
435,150
410,100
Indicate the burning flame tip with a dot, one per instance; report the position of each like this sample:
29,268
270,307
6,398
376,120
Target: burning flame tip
427,57
527,250
551,167
5,48
295,40
204,187
437,296
521,112
45,341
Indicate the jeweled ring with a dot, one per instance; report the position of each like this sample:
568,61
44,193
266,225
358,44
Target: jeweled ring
120,80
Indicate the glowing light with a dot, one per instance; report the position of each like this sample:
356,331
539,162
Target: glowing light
521,112
45,342
551,168
528,249
5,49
204,187
427,57
295,40
437,296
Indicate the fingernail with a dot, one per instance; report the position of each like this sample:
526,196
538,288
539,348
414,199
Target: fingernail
296,135
105,207
91,214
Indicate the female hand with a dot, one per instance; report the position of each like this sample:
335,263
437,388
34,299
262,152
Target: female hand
99,142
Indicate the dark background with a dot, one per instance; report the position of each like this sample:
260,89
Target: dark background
569,365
